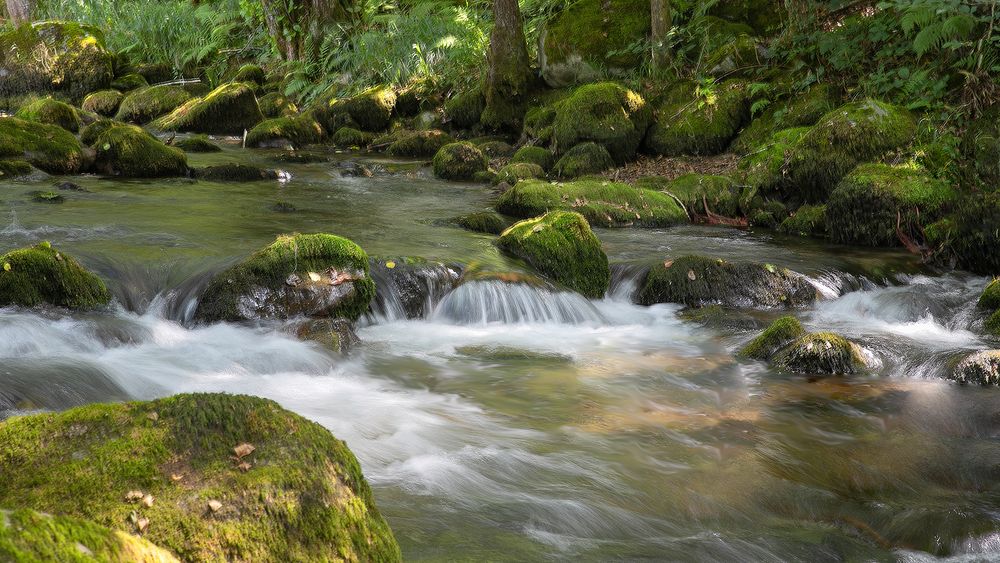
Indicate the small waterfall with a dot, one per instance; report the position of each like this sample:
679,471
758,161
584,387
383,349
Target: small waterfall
492,301
625,279
409,291
831,284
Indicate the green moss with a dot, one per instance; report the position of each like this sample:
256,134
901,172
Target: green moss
762,15
90,133
372,109
10,168
851,134
514,173
146,104
104,102
607,114
129,82
53,56
48,197
276,105
970,237
47,147
463,110
602,203
51,112
534,155
799,110
698,281
538,123
822,353
257,287
350,137
230,109
154,73
990,298
197,144
483,222
699,127
250,74
232,172
736,58
992,323
775,337
281,132
26,535
807,221
42,275
696,191
459,161
582,160
302,497
495,148
561,246
761,169
876,201
424,144
591,35
129,151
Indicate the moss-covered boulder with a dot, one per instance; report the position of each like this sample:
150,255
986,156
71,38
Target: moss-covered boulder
230,109
155,73
53,56
232,172
590,37
285,132
47,147
762,169
979,368
851,134
781,333
372,109
514,173
706,193
146,104
51,112
969,238
806,221
483,222
422,144
602,203
464,109
42,275
209,477
763,16
990,298
27,535
315,275
698,281
876,203
797,110
736,58
275,104
822,353
538,124
693,126
534,155
607,114
561,246
13,168
250,74
104,102
494,148
197,144
349,137
129,82
129,151
460,162
583,160
90,133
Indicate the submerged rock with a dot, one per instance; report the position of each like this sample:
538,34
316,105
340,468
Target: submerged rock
146,104
53,56
980,368
10,168
230,109
235,173
602,203
561,246
822,353
47,147
335,334
316,275
697,281
483,222
226,476
42,275
51,112
104,103
131,152
781,333
459,162
607,114
285,132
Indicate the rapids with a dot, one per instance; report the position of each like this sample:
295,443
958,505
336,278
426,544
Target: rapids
515,422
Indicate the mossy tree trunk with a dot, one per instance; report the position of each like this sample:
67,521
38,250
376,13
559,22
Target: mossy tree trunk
19,11
509,73
297,26
661,19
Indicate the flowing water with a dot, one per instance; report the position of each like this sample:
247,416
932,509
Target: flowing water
516,422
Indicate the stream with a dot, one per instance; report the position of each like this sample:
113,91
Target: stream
520,423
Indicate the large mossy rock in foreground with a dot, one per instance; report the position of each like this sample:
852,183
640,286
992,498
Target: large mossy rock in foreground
42,275
148,103
781,333
980,368
47,147
698,281
822,353
230,109
230,478
52,56
561,246
876,203
602,203
27,535
607,114
131,152
316,275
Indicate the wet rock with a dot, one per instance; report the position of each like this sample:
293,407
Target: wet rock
822,353
409,287
42,275
146,104
483,222
183,457
230,109
235,173
48,197
697,281
980,368
315,275
354,169
561,246
47,147
131,152
781,333
51,112
459,161
300,158
335,334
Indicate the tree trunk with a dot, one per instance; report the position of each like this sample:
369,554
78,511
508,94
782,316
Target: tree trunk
508,69
662,19
297,26
19,11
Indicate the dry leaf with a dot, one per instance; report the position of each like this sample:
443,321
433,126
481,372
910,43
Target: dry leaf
243,450
142,524
668,263
147,501
314,277
176,476
133,496
214,505
154,416
691,275
244,466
